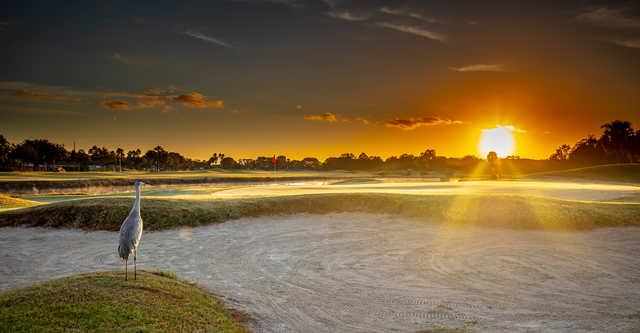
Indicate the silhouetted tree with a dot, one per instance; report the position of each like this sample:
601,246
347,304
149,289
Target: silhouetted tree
311,163
39,152
134,159
588,151
494,163
119,157
228,163
80,159
561,153
617,140
5,150
213,160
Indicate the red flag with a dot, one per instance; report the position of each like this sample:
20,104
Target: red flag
273,160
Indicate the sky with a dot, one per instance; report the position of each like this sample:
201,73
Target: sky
317,77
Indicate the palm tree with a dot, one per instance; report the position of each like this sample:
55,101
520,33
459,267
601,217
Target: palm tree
617,139
216,157
120,157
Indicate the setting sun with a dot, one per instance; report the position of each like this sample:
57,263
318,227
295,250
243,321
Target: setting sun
499,139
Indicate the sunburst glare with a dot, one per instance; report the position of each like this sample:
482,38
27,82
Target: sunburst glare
499,139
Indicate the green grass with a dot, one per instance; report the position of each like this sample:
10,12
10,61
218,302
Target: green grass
104,302
24,183
11,202
626,173
511,211
134,175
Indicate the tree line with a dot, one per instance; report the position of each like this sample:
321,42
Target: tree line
619,143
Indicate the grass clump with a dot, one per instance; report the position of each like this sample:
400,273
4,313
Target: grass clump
510,211
104,302
166,273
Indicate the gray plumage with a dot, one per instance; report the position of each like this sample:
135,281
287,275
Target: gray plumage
131,233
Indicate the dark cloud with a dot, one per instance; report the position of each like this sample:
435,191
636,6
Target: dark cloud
610,17
413,123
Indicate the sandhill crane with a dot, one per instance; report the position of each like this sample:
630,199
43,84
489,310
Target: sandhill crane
130,233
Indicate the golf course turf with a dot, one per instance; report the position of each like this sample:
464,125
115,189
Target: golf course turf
510,211
105,302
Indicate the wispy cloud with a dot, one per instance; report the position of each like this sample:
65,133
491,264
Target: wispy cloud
481,68
116,56
333,118
159,98
38,111
408,13
327,116
206,38
513,128
117,105
35,92
164,98
197,100
360,120
415,30
610,17
632,43
347,15
44,96
413,123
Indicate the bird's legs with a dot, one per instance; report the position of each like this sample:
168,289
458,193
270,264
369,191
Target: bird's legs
135,271
125,269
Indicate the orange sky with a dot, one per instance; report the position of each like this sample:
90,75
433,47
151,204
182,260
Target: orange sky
300,78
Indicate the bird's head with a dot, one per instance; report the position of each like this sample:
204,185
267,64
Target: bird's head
139,183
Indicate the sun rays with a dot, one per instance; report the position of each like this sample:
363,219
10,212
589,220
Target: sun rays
499,139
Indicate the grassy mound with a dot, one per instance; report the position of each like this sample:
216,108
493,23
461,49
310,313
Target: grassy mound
11,202
626,173
105,302
511,211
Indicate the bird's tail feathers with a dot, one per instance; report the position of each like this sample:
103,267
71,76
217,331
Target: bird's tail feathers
124,254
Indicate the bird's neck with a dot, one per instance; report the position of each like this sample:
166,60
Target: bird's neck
136,204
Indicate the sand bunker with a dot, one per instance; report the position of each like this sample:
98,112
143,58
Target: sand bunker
371,273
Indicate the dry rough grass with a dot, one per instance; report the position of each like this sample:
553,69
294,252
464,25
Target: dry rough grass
510,211
11,202
105,302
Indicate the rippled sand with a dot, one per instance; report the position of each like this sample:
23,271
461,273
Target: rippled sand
371,273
